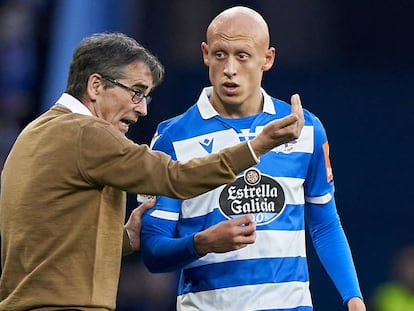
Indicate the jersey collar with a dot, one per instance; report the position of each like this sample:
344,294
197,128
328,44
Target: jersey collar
207,110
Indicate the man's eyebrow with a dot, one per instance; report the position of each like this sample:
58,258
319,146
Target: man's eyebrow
140,86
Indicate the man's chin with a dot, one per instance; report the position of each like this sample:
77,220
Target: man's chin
123,128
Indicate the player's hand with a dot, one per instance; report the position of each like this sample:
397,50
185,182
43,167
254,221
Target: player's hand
133,225
280,131
356,304
226,236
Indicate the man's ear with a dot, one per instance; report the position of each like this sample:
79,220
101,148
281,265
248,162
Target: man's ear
94,85
269,59
204,51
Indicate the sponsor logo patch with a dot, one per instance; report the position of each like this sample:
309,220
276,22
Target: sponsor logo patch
255,194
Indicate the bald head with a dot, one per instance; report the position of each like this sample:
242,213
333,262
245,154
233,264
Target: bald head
239,21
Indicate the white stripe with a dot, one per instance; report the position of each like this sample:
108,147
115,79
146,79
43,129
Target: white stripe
165,215
303,144
187,149
269,244
319,200
202,204
207,202
247,298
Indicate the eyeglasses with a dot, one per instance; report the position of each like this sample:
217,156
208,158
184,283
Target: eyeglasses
138,94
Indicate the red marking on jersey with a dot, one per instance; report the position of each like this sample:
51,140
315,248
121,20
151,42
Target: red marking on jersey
329,173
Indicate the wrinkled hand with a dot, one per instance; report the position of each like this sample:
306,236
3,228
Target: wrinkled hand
280,131
133,225
226,236
356,304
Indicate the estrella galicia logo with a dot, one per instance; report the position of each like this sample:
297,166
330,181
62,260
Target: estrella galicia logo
255,194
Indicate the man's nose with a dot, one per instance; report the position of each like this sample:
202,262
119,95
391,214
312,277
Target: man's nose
141,107
230,67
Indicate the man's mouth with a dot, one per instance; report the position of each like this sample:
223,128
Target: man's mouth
124,125
230,87
127,122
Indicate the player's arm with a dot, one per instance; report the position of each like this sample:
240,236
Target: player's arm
324,223
162,251
332,247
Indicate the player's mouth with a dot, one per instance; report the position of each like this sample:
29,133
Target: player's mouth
230,88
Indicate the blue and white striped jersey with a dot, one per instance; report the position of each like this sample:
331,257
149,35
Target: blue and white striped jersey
290,183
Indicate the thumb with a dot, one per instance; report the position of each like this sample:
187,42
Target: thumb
143,207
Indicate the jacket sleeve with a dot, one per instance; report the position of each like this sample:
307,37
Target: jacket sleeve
162,250
107,157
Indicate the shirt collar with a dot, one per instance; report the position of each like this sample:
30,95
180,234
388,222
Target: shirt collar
73,104
207,110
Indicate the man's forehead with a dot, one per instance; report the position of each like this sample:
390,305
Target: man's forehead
140,73
237,28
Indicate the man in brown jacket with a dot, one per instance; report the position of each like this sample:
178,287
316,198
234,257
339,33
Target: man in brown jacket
63,185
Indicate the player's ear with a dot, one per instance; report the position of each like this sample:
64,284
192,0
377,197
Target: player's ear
269,59
204,51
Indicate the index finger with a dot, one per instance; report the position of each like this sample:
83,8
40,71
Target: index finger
296,104
244,220
297,110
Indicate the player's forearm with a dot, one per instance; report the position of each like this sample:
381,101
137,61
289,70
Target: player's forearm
162,254
332,248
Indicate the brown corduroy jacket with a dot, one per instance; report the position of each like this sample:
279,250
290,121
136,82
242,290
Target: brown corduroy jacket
62,207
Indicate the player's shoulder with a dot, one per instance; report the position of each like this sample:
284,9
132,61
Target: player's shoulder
176,123
181,118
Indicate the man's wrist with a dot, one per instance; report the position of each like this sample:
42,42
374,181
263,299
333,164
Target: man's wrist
255,157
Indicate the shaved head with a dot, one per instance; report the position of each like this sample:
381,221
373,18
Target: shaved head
240,21
237,53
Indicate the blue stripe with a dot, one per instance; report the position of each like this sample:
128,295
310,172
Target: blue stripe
290,219
246,272
284,164
290,309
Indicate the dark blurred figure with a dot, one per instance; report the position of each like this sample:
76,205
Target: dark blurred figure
398,293
140,290
21,31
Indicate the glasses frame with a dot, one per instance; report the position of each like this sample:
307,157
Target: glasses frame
137,96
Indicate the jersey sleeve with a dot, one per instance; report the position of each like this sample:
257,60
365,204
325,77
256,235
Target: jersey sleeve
162,250
324,223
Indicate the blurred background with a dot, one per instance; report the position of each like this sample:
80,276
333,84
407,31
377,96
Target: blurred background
351,61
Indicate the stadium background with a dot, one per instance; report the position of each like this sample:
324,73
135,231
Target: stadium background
351,61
